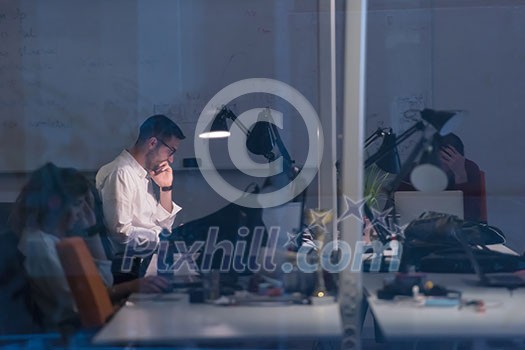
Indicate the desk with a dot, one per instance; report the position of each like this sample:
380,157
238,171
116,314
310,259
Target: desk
504,316
175,320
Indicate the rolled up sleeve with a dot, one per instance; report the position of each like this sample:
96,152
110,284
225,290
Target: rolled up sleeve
164,218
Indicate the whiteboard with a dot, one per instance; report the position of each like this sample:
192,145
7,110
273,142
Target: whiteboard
398,73
78,77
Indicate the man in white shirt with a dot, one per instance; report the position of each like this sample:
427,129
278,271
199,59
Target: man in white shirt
136,191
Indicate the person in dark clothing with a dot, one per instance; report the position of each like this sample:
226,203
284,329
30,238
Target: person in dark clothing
463,174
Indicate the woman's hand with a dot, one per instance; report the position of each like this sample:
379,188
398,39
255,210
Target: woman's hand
152,284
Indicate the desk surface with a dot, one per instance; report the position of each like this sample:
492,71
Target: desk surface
171,319
504,316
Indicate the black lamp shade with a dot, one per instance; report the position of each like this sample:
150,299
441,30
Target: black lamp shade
218,129
261,139
390,161
444,122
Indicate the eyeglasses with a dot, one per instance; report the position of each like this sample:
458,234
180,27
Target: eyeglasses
172,150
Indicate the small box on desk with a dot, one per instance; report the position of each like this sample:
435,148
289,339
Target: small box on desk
196,295
191,162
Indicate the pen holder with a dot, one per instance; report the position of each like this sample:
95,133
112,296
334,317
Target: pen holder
211,284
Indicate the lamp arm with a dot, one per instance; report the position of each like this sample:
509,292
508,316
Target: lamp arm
407,166
378,133
419,126
241,126
281,146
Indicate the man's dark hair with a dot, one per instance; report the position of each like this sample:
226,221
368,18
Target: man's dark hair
161,127
451,140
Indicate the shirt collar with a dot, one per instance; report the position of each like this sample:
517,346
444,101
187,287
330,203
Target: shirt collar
130,160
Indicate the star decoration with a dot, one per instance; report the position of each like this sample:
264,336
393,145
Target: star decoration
399,229
320,219
352,209
380,217
292,240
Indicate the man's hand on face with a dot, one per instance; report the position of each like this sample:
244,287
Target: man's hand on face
163,174
453,160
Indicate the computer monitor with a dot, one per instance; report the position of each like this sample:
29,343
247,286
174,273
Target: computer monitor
287,218
226,223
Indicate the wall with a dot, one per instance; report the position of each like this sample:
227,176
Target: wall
479,65
466,55
78,77
398,69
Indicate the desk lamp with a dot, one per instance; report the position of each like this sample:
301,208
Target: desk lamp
387,157
260,140
444,122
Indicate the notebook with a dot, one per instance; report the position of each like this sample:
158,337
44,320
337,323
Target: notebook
411,204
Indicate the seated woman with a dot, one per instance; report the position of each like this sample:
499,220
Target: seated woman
57,203
463,174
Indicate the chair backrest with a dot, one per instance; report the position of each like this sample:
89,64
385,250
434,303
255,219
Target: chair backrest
91,296
483,197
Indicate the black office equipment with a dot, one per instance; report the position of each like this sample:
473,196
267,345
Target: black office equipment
508,280
226,221
439,242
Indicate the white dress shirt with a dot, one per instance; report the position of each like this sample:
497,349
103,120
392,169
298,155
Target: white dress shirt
49,287
133,212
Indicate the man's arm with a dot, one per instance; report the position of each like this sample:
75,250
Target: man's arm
165,200
166,218
163,177
117,194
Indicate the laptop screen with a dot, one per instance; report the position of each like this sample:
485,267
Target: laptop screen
411,204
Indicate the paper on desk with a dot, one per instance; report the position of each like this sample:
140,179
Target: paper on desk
183,270
141,297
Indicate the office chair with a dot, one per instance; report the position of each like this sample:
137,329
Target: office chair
483,197
20,314
90,294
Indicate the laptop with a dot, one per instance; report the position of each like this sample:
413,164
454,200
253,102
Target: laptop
411,204
185,275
